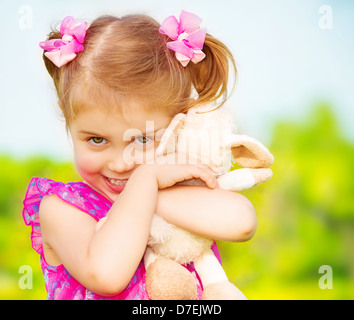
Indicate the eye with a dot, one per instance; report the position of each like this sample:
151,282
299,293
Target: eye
97,140
142,139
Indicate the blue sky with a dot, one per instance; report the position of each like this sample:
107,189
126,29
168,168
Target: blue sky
289,56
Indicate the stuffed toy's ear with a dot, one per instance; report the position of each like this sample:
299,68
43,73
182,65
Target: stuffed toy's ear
168,143
249,153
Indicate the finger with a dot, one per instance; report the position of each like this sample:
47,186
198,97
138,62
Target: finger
213,167
208,177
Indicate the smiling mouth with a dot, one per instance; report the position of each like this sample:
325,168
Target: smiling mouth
117,182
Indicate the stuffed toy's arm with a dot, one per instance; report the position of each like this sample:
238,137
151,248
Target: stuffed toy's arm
245,178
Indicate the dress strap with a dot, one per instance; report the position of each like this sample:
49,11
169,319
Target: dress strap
77,194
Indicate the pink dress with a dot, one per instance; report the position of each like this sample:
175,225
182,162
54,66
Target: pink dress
60,285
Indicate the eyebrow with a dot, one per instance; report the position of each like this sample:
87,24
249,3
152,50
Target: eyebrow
146,132
91,133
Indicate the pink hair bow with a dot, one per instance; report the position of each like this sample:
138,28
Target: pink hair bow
187,35
61,51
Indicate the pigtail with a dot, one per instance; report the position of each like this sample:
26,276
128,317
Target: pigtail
61,75
210,76
52,69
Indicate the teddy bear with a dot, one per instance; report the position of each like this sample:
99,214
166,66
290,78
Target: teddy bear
207,134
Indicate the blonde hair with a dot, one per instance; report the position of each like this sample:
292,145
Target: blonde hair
126,59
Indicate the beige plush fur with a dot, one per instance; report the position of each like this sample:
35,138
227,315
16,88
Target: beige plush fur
208,135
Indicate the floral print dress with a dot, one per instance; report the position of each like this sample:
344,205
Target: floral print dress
60,285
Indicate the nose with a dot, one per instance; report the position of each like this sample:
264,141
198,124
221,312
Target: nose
121,163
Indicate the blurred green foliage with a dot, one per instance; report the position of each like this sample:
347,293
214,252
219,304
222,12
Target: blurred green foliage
305,217
15,244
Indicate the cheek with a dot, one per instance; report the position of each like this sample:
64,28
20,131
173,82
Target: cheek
87,164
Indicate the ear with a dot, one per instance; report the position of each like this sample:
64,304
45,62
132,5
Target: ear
168,142
250,153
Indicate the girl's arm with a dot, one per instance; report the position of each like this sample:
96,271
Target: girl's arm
102,261
105,260
217,214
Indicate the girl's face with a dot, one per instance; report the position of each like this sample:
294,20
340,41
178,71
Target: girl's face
109,146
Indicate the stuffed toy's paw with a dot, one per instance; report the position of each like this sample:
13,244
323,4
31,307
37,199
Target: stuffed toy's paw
168,280
245,178
223,290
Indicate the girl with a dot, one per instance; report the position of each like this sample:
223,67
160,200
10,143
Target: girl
111,78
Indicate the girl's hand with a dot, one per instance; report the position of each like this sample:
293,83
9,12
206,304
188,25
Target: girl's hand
168,175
